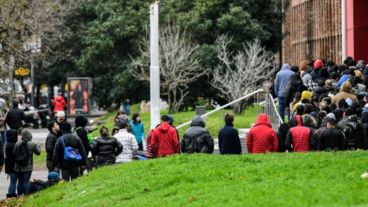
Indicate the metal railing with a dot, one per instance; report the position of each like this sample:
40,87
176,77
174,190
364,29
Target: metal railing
269,108
257,92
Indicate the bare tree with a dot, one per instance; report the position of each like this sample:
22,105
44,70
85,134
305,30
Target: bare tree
237,75
178,65
25,23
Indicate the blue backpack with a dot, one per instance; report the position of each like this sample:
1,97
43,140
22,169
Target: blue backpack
71,154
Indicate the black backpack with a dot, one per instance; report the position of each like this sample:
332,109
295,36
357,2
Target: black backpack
22,155
189,144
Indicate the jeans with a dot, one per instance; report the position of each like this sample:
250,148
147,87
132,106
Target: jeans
70,174
282,107
13,184
23,182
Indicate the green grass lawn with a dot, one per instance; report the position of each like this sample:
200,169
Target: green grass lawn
214,122
294,179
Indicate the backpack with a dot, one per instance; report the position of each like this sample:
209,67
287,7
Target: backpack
71,154
22,155
352,134
189,144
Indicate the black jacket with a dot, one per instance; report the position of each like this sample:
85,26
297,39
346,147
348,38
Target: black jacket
197,139
9,149
229,142
50,145
14,118
354,133
106,149
70,140
332,139
292,89
82,134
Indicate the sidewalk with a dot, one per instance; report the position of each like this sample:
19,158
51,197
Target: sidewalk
4,183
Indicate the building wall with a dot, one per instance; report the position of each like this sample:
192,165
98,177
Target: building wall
312,29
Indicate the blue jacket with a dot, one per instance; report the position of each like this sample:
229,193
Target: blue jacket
138,131
282,81
342,80
229,142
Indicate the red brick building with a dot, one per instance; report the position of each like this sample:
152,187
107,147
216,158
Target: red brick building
328,29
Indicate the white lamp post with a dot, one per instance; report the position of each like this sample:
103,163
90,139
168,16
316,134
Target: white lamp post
155,65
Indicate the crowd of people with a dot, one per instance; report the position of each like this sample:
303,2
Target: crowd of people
325,104
326,107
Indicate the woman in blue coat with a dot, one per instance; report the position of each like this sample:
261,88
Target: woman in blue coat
137,129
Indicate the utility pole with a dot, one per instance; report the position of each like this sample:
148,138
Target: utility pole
155,65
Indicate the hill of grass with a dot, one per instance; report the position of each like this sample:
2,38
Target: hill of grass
214,121
294,179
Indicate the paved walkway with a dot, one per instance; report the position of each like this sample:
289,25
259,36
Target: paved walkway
4,183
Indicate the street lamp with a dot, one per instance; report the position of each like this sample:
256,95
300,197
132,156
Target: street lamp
33,45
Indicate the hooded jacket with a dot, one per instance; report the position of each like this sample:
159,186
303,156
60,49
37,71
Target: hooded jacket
59,103
299,137
345,93
32,148
262,138
197,139
282,80
165,140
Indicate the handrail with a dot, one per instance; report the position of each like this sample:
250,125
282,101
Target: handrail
222,107
274,107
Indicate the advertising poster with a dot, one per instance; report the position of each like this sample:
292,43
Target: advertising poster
78,95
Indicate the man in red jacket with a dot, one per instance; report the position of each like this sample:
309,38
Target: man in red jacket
262,138
299,138
165,140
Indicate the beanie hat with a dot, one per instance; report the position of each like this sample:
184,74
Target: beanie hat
318,64
26,135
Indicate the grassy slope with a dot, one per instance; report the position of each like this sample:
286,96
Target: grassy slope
214,121
315,179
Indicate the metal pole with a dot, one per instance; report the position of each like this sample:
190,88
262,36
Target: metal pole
32,81
343,30
11,80
155,65
223,117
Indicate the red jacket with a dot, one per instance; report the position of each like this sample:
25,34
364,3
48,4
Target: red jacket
299,137
262,138
59,103
164,140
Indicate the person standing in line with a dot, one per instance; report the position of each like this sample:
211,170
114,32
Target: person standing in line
261,137
137,129
299,137
229,142
128,142
3,112
332,138
165,139
12,137
282,81
69,168
51,139
23,154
